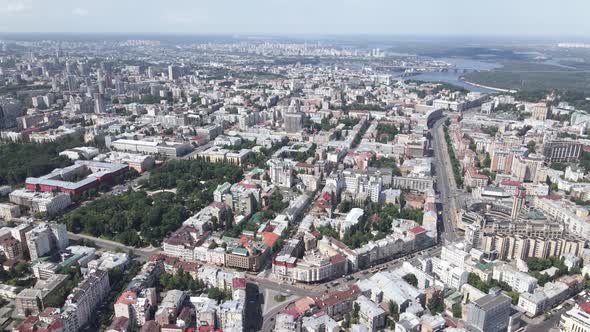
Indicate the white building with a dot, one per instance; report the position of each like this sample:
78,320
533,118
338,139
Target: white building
452,276
370,314
454,254
86,296
108,261
38,242
575,320
41,202
9,211
281,172
518,281
83,152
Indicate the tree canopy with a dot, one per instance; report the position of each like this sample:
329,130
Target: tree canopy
21,160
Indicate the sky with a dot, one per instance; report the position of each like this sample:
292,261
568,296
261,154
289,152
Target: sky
300,17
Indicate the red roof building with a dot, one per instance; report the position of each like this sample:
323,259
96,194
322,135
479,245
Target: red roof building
418,230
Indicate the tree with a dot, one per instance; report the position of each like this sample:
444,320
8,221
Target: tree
217,294
275,202
436,304
346,323
411,279
531,146
136,218
21,268
328,231
345,206
474,280
490,130
457,310
393,310
21,160
355,313
487,162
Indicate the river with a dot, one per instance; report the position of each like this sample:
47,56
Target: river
454,77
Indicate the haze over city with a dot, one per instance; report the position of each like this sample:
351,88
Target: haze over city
381,17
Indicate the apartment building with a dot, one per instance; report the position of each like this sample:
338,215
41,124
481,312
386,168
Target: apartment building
371,314
518,281
83,299
451,275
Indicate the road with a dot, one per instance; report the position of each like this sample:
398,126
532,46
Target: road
445,183
265,283
319,289
269,319
142,254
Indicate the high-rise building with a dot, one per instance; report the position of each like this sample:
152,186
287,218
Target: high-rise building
68,68
172,72
72,83
540,112
83,299
293,122
99,104
501,161
518,203
119,86
281,173
562,151
46,237
38,242
9,111
490,313
451,275
83,68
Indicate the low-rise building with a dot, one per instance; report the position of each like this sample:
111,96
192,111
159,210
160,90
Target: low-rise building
575,320
32,301
370,313
41,202
9,211
518,281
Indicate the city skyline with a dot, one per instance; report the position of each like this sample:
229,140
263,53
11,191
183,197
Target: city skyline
329,17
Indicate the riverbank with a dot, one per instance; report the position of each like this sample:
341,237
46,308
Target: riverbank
462,79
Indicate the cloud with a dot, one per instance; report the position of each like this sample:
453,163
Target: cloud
15,6
80,12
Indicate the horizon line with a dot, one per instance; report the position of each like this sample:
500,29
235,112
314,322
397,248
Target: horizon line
292,34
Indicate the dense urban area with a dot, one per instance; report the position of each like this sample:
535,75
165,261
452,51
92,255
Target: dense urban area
283,185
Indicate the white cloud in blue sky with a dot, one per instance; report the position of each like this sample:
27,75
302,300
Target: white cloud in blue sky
415,17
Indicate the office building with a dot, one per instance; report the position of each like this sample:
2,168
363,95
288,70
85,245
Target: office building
490,313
